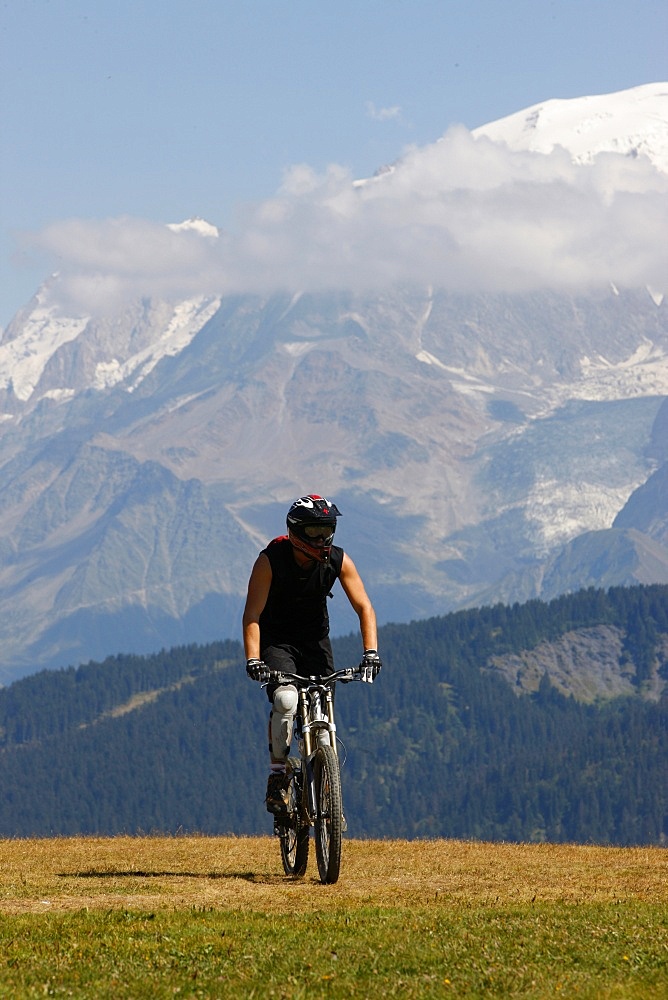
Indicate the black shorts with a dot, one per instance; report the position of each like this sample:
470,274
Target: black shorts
308,659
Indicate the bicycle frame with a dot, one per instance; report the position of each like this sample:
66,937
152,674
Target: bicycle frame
315,722
314,787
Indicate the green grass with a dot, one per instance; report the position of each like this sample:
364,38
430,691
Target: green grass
615,950
215,917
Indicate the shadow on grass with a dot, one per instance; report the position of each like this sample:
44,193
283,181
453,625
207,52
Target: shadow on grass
261,879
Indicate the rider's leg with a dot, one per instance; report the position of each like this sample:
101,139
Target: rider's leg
284,701
312,657
281,719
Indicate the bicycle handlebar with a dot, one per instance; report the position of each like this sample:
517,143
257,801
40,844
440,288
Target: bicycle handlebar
326,680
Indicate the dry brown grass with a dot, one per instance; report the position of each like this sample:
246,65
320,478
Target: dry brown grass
245,874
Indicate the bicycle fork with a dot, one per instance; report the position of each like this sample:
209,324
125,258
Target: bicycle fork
317,729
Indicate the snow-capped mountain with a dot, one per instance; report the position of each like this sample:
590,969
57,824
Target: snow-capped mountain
482,446
632,122
42,334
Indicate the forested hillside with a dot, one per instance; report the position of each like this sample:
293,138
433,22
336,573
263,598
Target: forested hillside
442,745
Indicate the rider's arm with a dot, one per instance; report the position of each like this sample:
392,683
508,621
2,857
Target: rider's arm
352,584
258,591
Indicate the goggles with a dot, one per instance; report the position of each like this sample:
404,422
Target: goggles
325,532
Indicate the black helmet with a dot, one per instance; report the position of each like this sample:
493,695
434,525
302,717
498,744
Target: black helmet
311,525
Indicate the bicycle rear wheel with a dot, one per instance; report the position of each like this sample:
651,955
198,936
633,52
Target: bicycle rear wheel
328,820
295,832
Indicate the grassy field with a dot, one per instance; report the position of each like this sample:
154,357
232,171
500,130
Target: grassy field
215,917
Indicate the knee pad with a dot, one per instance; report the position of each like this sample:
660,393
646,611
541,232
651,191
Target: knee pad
280,722
285,699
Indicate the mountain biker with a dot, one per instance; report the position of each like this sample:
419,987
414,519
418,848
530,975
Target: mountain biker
286,624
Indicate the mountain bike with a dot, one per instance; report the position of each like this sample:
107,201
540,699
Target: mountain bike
313,795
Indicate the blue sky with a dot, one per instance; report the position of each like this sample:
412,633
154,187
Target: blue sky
164,109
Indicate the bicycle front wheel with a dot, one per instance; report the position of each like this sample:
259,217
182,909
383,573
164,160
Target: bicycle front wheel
328,820
295,833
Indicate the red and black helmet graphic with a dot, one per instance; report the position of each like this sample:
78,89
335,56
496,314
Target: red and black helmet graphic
311,525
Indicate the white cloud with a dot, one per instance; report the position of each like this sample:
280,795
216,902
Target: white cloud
463,214
383,114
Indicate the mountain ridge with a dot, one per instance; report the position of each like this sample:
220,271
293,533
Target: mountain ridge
480,446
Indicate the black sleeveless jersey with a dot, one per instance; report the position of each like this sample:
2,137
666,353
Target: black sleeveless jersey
296,608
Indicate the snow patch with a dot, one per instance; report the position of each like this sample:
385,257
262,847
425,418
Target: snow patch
59,394
23,359
297,347
430,359
644,373
107,373
293,302
560,511
188,319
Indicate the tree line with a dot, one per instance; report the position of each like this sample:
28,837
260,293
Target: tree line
438,747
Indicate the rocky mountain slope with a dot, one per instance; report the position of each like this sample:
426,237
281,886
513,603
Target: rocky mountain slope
482,447
588,664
